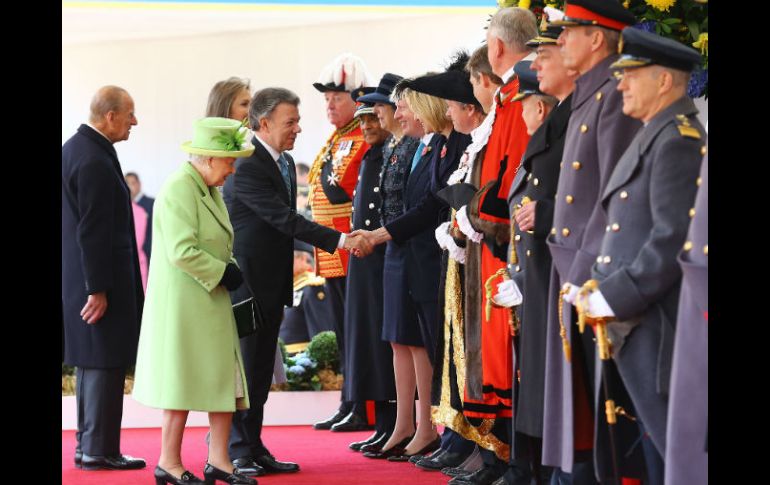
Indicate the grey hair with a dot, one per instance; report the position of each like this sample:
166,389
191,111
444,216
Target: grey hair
199,159
547,99
106,99
266,100
514,26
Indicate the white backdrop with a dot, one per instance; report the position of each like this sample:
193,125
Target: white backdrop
170,78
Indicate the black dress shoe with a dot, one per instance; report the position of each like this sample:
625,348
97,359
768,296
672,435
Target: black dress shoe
247,466
118,462
271,465
352,422
78,458
445,460
456,471
338,416
212,474
396,450
432,446
485,476
163,477
420,458
356,445
375,445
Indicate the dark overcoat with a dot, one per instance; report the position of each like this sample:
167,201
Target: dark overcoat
98,252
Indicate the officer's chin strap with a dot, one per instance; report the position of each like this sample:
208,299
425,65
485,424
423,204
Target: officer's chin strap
603,343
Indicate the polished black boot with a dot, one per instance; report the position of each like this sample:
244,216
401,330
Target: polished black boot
162,477
213,474
352,422
328,423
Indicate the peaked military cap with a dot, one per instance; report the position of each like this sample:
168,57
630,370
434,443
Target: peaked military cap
602,13
381,93
357,93
528,83
364,109
302,246
547,36
639,48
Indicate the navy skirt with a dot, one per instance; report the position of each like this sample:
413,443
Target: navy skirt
400,323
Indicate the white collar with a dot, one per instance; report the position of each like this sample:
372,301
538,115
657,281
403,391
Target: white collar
426,139
273,153
138,196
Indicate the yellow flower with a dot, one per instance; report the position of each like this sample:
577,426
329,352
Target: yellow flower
506,3
702,43
662,5
627,4
524,4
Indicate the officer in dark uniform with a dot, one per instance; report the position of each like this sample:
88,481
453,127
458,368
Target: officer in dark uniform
646,203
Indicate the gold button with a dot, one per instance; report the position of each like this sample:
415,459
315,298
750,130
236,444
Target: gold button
598,96
615,227
529,253
706,249
352,209
536,182
529,177
371,205
367,222
376,189
698,181
518,268
688,245
703,150
569,199
553,231
321,295
576,165
565,232
354,193
517,237
607,228
583,128
624,195
561,164
359,178
692,212
606,260
599,259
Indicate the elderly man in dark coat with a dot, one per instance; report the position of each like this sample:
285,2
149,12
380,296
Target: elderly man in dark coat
686,456
102,293
646,202
597,134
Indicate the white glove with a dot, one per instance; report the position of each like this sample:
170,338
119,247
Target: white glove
465,225
455,252
508,294
442,233
569,297
598,306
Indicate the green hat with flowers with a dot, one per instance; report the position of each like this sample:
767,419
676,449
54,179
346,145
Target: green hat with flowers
219,137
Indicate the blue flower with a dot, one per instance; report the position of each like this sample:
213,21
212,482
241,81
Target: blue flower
297,369
647,26
305,362
698,81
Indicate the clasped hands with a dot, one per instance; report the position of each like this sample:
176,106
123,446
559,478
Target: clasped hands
362,242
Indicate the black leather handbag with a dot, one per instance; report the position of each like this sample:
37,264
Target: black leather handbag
248,317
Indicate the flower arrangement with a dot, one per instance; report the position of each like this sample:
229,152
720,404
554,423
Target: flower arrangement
315,369
685,21
300,372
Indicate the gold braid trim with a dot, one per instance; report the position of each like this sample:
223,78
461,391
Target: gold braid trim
562,329
444,414
318,162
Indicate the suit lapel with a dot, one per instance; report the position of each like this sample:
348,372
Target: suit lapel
263,158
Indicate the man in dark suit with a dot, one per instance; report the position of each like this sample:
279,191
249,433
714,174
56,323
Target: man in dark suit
146,202
261,199
102,293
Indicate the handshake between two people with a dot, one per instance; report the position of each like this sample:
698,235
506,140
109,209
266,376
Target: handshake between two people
361,242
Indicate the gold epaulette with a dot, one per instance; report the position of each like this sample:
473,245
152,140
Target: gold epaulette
685,129
308,278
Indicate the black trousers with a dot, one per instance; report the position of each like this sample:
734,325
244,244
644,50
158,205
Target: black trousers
99,396
258,352
335,291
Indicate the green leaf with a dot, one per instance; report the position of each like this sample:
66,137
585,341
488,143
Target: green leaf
671,21
665,28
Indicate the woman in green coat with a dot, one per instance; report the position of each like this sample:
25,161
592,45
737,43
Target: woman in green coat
189,357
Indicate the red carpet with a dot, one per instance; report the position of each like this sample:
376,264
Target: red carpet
323,456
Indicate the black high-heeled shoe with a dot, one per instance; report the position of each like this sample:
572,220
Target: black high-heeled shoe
162,477
212,474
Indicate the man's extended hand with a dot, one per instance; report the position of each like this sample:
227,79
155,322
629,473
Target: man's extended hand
359,244
94,308
525,217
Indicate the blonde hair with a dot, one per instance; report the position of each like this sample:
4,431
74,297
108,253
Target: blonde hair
430,109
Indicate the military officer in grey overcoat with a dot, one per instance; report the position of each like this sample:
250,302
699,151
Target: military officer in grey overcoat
597,134
686,457
646,202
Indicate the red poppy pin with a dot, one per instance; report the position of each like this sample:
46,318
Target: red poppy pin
426,149
443,152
